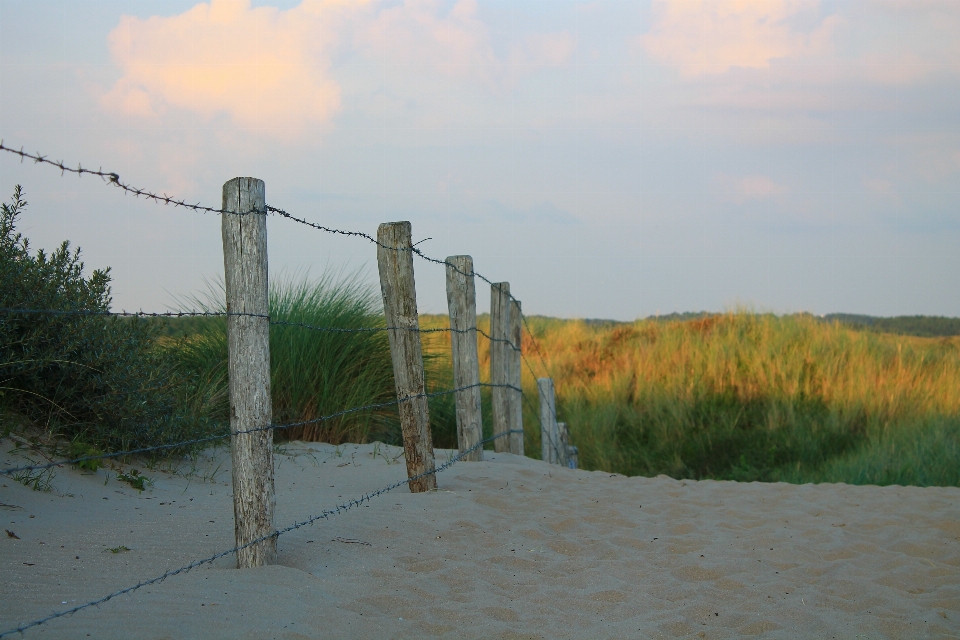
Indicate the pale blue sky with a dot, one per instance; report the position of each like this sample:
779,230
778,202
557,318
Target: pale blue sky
608,159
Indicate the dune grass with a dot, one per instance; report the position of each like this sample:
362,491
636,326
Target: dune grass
313,373
742,396
739,396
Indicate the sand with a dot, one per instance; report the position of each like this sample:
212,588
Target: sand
506,548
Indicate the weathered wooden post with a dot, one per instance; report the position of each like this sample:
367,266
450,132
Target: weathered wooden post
515,396
563,437
395,261
248,357
549,436
500,363
462,303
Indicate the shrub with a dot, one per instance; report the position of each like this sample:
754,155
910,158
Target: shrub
93,378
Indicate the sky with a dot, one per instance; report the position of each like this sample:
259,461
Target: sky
608,159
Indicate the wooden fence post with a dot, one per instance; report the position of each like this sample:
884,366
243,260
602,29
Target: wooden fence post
514,355
563,436
549,435
395,262
248,352
500,363
462,302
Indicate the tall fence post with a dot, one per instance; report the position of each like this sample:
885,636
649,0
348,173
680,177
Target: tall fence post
515,395
462,302
549,433
395,262
500,363
248,353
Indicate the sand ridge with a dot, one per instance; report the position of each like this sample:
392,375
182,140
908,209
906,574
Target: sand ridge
506,548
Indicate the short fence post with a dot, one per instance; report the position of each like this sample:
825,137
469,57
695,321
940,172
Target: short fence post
549,436
462,303
564,438
248,351
514,355
500,363
395,262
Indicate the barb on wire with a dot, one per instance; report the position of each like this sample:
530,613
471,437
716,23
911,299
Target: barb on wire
359,234
323,515
113,178
275,427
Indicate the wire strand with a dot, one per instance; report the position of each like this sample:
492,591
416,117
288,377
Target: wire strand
323,515
274,427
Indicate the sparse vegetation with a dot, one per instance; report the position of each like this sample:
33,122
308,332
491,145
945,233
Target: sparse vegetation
135,479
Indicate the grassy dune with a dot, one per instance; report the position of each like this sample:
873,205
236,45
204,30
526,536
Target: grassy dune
738,396
757,397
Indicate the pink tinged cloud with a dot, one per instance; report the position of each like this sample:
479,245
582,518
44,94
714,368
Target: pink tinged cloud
264,68
272,71
699,37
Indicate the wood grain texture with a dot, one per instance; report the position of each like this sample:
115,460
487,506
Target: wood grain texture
397,285
500,362
549,437
515,396
563,451
462,304
248,347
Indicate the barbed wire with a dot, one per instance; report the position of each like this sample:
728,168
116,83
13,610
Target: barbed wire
274,427
113,178
222,314
126,314
323,515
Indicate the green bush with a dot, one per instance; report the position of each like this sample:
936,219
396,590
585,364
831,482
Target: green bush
95,379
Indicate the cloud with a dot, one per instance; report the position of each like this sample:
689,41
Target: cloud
701,37
264,68
739,190
276,71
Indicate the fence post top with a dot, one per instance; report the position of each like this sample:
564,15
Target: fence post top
244,195
401,223
502,286
251,184
459,258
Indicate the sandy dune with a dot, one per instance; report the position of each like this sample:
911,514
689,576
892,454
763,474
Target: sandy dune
507,548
